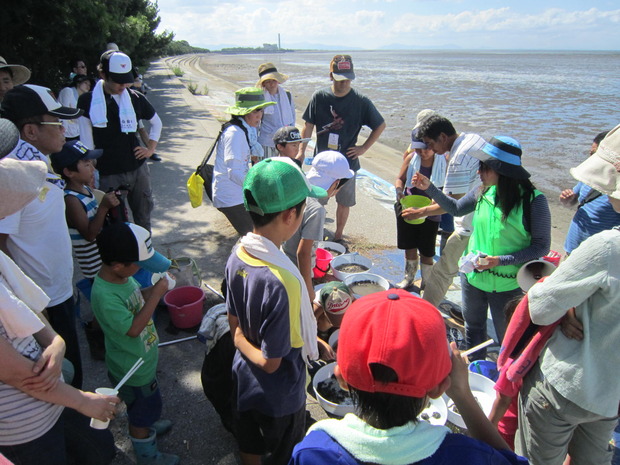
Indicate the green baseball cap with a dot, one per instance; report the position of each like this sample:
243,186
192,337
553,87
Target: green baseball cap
276,184
247,100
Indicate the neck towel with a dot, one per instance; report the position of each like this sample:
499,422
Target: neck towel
438,173
401,445
255,148
283,107
20,301
263,249
98,110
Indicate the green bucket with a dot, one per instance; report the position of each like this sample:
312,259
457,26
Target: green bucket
415,201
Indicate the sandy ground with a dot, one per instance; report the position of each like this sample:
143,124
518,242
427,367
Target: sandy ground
190,124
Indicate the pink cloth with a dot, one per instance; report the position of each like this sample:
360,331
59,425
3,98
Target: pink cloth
525,336
507,426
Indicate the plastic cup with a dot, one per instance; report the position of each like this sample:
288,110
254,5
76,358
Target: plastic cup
98,424
171,281
415,201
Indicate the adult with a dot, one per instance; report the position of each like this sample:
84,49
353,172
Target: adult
78,67
594,211
569,400
110,122
36,237
34,427
338,112
511,226
439,135
276,116
237,146
11,76
68,97
417,237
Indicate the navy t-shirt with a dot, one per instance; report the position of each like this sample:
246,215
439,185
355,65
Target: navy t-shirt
118,156
345,115
267,302
319,448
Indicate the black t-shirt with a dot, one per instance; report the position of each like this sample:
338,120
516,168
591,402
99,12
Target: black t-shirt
345,117
118,156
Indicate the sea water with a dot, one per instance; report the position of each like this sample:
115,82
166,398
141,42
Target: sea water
554,103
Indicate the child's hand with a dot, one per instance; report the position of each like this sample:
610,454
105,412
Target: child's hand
413,213
420,181
161,287
110,200
459,376
325,351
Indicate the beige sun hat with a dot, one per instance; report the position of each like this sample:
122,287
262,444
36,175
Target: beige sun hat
268,71
20,73
602,169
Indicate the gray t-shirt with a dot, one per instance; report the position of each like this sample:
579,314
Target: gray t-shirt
311,228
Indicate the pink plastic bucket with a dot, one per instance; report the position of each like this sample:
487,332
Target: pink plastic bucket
185,306
323,259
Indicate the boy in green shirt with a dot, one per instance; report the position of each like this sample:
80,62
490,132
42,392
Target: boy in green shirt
124,313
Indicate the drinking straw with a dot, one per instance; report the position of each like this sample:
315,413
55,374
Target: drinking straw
168,343
478,347
130,373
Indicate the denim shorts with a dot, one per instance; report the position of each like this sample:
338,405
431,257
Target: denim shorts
144,403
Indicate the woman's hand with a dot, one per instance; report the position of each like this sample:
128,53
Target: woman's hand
414,213
47,369
98,406
571,326
486,263
420,181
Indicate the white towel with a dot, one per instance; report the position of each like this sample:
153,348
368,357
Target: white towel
438,172
263,249
283,107
20,301
98,110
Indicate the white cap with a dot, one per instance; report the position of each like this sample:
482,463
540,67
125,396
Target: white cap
327,167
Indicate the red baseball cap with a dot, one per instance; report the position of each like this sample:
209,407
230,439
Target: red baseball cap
395,329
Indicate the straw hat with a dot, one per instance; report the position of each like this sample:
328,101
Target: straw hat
268,71
20,73
247,100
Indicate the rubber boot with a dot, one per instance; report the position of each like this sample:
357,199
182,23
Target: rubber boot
148,454
161,427
411,268
426,273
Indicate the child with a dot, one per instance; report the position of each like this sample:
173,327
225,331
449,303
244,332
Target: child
393,356
417,237
124,313
75,164
287,140
329,171
270,316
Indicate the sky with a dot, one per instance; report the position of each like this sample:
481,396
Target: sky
374,24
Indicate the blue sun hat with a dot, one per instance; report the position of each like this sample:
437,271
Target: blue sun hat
503,154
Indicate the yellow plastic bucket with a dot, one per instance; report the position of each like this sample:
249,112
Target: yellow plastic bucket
415,201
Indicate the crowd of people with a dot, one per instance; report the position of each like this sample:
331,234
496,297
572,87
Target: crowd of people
65,162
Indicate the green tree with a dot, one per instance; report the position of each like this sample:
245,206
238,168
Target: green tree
47,36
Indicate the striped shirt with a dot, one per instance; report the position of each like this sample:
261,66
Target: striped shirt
462,174
22,417
86,252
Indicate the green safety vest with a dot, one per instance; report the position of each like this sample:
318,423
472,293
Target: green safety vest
495,237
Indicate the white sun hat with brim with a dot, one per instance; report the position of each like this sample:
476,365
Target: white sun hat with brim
601,170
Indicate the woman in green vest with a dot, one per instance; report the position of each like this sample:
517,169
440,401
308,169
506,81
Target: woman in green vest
511,226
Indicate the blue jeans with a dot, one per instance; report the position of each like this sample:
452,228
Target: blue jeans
476,302
70,441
